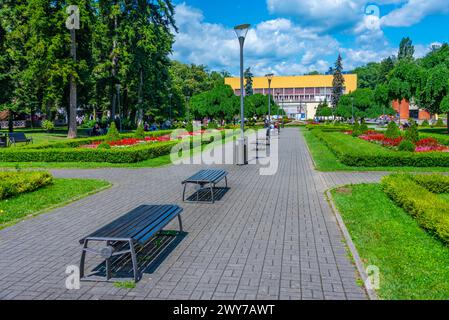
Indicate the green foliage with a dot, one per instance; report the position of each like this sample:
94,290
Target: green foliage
140,133
48,125
440,123
212,125
393,131
363,126
104,145
218,103
407,146
412,133
248,82
428,209
338,82
113,134
125,285
406,49
355,152
435,183
356,130
15,183
425,124
115,155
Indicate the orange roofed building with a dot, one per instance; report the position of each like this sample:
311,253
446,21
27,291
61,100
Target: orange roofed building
408,111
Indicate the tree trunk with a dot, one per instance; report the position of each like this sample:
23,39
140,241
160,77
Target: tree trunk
73,94
114,72
10,121
140,100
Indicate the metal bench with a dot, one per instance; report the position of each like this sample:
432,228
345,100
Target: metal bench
208,177
121,236
18,137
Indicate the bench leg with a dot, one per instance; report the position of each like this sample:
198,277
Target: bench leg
180,223
134,260
83,258
108,265
184,193
212,186
226,180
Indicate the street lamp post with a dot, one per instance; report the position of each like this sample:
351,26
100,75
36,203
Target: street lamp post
283,116
270,78
279,122
352,104
170,96
119,108
241,149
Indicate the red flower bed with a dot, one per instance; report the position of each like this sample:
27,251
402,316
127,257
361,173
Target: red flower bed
428,142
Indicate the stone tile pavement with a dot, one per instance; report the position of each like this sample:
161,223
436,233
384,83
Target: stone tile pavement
271,237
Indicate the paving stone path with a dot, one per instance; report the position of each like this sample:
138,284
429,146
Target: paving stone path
271,237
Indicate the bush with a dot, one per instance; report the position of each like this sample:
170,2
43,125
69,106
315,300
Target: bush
364,127
212,125
357,130
440,123
15,183
412,133
435,183
358,153
113,134
140,133
429,210
393,131
189,127
48,125
407,145
425,124
104,145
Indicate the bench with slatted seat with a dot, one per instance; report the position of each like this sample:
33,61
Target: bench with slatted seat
122,236
19,137
210,178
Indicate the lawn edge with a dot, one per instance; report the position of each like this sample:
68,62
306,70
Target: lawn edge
372,294
59,205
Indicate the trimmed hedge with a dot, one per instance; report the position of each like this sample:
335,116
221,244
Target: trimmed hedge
435,183
359,153
116,155
69,152
328,127
429,210
15,183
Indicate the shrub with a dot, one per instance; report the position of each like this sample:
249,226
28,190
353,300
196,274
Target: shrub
357,130
15,183
140,133
412,133
425,124
212,125
407,145
393,131
435,183
113,134
48,125
104,145
189,127
359,153
440,123
429,210
363,126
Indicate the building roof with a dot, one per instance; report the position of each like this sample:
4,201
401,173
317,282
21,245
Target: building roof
313,81
4,115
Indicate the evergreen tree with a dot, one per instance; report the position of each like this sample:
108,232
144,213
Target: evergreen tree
338,82
248,82
406,49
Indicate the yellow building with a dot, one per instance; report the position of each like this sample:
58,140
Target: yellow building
298,95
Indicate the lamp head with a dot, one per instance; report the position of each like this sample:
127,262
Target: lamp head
269,76
242,30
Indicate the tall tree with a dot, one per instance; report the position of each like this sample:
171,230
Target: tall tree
338,83
248,82
406,49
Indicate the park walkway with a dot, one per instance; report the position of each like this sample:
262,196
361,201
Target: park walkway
272,237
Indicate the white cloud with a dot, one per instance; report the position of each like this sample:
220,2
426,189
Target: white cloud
414,11
281,45
276,45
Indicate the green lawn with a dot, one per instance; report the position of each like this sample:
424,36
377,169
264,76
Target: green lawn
62,192
413,264
326,161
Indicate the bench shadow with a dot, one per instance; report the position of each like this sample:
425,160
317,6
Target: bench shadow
204,195
149,257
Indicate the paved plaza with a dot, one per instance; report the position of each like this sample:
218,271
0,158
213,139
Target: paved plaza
270,237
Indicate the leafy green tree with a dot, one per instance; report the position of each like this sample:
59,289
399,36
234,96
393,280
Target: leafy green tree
248,82
412,133
393,131
338,82
406,49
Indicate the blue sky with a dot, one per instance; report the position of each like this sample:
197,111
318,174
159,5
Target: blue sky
290,37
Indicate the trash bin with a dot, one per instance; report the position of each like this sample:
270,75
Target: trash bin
241,152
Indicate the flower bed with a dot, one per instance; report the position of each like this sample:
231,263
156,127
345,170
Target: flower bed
128,142
424,145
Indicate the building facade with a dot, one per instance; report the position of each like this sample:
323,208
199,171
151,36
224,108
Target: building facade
299,96
406,111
